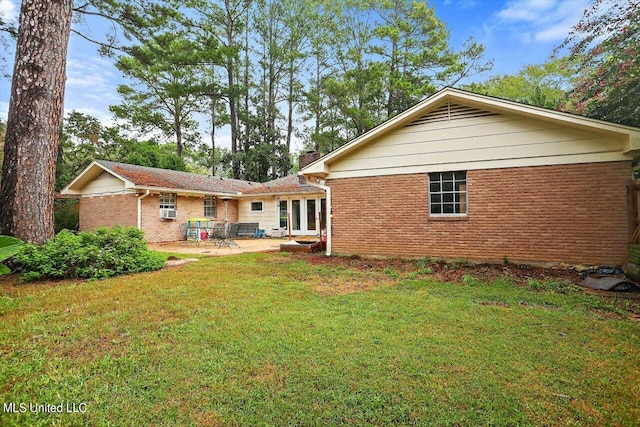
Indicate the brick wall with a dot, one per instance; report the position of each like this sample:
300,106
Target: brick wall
567,213
160,230
122,210
107,211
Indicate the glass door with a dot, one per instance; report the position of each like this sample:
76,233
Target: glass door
311,216
296,215
283,218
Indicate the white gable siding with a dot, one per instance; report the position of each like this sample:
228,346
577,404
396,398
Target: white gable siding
465,138
103,184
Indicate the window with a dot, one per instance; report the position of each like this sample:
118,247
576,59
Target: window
448,193
210,206
167,201
256,206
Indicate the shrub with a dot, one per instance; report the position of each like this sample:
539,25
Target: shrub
66,214
98,254
9,246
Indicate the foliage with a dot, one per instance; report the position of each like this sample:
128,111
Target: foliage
542,85
9,246
85,139
168,85
97,254
605,45
66,215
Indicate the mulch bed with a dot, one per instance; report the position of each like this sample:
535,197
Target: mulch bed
449,271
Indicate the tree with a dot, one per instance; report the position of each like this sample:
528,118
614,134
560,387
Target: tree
170,83
35,116
543,85
36,102
85,139
605,44
357,88
226,21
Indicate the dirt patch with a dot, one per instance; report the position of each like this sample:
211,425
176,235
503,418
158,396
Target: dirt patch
366,273
447,271
173,261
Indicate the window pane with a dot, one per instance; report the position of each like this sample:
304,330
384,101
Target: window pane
448,193
283,214
167,201
311,215
210,206
295,216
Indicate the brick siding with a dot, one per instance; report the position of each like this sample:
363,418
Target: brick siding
566,213
123,210
107,211
162,230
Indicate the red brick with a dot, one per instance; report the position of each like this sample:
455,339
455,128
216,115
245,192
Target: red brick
566,213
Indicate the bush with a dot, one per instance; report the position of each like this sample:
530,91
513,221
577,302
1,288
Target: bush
98,254
66,214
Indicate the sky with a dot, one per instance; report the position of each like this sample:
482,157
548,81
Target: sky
515,33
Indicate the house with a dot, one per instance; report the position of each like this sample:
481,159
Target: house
158,201
462,175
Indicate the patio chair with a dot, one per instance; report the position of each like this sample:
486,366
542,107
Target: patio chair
232,234
219,235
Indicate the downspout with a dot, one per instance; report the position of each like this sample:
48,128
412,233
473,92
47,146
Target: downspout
140,209
327,190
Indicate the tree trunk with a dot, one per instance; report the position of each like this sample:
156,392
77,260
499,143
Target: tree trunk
213,135
233,115
35,120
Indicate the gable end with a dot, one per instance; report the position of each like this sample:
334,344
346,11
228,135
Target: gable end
451,112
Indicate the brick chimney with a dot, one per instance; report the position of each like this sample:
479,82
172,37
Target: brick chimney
307,158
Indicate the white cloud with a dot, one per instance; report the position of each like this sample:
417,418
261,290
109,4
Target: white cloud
8,10
532,21
91,87
90,72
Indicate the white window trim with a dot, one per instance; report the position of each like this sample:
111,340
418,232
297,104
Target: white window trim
256,210
448,215
167,206
214,205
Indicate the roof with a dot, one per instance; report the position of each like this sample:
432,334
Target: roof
447,96
288,185
148,177
137,177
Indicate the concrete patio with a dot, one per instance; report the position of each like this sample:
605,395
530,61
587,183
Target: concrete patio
210,249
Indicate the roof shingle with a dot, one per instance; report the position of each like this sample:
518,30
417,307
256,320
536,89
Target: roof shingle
148,177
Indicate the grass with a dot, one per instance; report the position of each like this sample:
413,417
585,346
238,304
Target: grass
268,339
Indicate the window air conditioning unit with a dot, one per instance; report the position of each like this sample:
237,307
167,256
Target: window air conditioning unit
168,213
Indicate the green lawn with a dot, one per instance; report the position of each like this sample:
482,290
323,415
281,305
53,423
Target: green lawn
270,339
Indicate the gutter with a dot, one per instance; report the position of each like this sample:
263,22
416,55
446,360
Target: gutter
327,190
140,208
